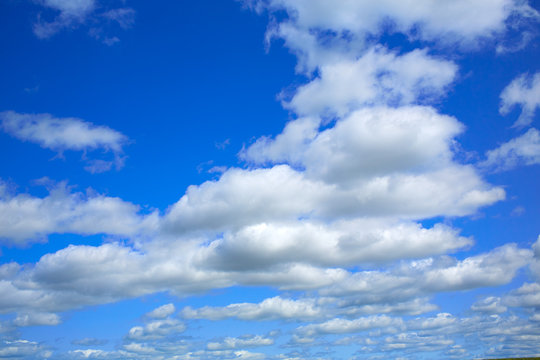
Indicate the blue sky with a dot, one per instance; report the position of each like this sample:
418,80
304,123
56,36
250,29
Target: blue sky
269,179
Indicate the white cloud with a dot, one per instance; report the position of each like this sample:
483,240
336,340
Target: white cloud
377,77
25,218
525,92
414,343
343,326
17,349
489,305
155,330
524,149
416,306
527,296
61,134
439,321
162,312
319,32
343,243
272,308
240,342
430,275
33,319
78,8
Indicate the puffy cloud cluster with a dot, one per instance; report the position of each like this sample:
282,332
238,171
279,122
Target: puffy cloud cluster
25,218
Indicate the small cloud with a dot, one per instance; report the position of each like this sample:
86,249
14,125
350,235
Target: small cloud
61,134
522,150
223,144
162,312
525,92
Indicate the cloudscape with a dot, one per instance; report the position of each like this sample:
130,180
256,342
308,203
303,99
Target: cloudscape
269,179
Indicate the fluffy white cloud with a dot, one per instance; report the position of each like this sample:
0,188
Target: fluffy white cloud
377,77
416,306
437,322
430,275
319,31
60,134
25,218
20,349
369,142
525,92
240,342
527,296
272,308
343,243
33,319
468,19
489,305
343,326
414,343
524,149
155,330
162,311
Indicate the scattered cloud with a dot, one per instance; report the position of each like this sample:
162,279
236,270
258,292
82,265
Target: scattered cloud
63,134
344,326
379,76
272,308
525,92
68,14
155,330
162,312
522,150
240,342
